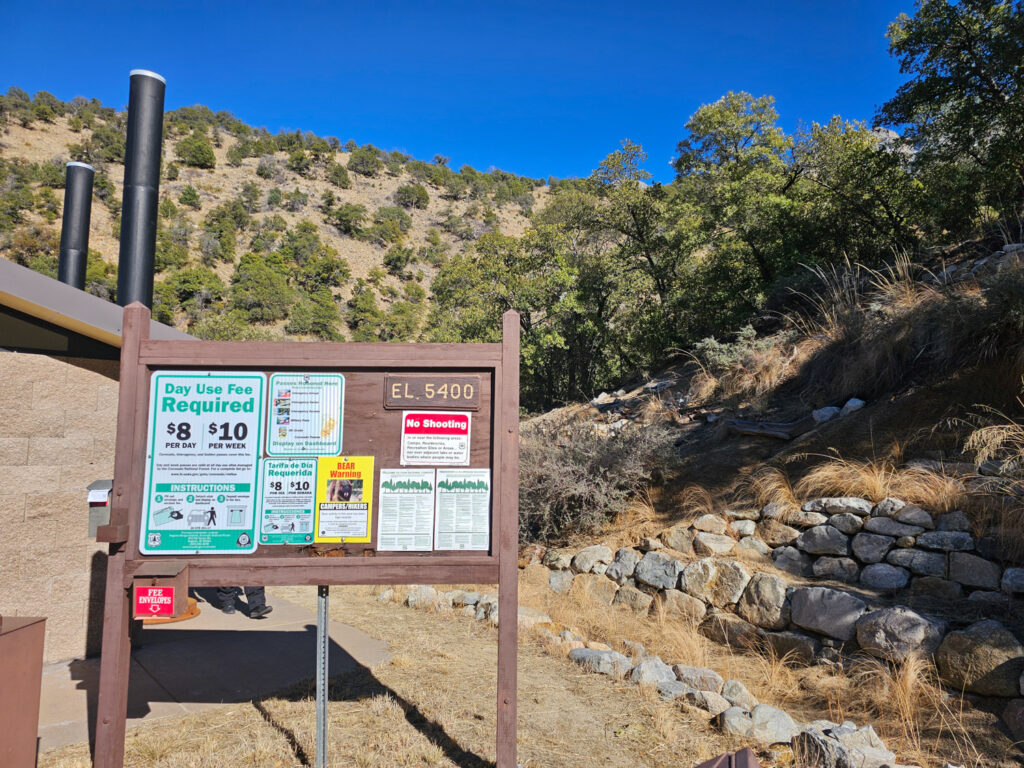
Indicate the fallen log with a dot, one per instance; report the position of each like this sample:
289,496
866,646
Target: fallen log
783,430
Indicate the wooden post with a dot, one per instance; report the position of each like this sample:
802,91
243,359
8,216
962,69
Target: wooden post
507,404
115,658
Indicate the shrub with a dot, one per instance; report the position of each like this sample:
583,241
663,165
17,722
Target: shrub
364,316
195,151
190,196
348,218
259,290
412,196
266,168
167,209
171,172
274,198
295,200
398,258
299,162
315,314
337,175
365,161
230,326
196,286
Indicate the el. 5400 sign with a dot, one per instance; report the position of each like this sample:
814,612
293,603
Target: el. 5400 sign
457,393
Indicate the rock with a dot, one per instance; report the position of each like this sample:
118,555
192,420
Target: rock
743,514
836,505
651,671
705,544
623,566
887,526
914,515
791,560
821,415
837,568
790,515
897,633
726,629
946,541
823,540
596,646
699,678
753,544
793,645
669,690
658,570
919,562
719,583
973,571
468,610
736,721
635,650
985,659
905,542
993,548
953,521
743,527
816,749
678,604
826,611
888,507
1013,580
884,576
870,547
852,405
846,523
709,524
531,617
386,596
588,557
532,554
763,602
558,559
561,581
988,598
610,663
771,726
487,609
776,534
865,748
421,597
679,538
737,695
600,588
1013,717
931,586
709,701
631,597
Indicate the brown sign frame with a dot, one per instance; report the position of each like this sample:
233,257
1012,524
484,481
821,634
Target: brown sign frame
141,356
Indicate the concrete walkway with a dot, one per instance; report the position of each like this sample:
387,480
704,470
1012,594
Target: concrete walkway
211,660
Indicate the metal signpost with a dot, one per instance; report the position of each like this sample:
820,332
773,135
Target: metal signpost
280,463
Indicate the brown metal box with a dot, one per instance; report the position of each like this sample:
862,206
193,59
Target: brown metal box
164,573
21,674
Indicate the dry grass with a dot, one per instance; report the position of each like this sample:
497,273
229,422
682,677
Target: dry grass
769,485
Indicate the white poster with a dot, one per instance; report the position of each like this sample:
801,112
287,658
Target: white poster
463,516
406,510
305,414
287,493
205,432
430,438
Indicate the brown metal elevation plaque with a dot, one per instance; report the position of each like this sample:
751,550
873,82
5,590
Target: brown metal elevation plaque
440,392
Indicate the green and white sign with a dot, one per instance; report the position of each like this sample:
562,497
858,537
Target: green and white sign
205,433
287,493
305,414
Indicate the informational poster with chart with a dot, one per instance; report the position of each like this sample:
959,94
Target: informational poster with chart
406,510
344,498
304,414
287,496
205,433
435,438
463,518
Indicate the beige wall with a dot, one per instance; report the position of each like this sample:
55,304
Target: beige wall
57,429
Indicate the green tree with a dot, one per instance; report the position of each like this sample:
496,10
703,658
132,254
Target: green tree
315,314
337,175
190,196
259,290
365,161
363,316
299,162
274,198
348,218
250,195
412,196
195,151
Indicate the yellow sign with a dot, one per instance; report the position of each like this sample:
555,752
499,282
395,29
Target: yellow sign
344,498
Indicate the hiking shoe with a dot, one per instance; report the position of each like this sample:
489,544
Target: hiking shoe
229,608
260,611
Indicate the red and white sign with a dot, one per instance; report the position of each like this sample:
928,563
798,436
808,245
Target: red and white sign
154,601
430,438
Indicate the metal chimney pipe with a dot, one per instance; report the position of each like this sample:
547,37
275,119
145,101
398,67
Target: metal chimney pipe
74,232
141,188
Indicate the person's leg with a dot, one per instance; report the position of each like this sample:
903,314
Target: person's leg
226,597
257,599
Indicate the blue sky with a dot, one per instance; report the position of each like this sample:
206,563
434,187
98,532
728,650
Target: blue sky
536,88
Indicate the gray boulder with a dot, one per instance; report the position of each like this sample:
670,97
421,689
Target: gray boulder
658,570
705,544
887,526
559,559
852,405
914,515
787,514
866,749
560,581
700,678
711,702
846,523
973,571
836,568
737,695
946,541
710,524
736,721
812,748
631,597
823,540
743,514
826,611
1013,580
623,566
651,671
897,633
422,597
884,576
953,521
588,557
932,586
670,690
753,544
838,504
793,646
763,602
776,534
870,547
821,415
727,629
918,561
678,538
791,560
743,527
610,663
719,582
771,726
888,507
678,604
985,659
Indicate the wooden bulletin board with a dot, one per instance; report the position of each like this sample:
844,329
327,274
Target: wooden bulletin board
381,383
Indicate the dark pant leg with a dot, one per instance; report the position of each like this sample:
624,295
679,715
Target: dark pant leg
226,596
255,596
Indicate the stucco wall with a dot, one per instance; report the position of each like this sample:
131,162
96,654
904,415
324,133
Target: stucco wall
57,431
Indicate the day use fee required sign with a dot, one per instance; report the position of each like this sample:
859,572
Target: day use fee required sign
205,433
